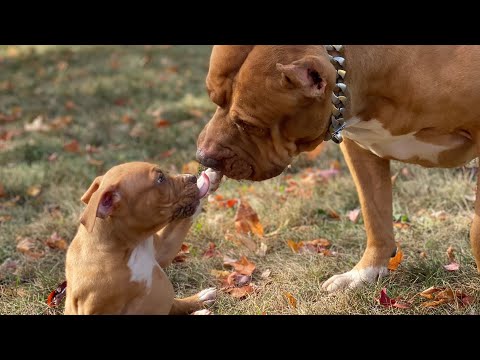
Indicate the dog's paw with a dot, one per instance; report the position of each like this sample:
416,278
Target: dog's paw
354,278
202,312
207,296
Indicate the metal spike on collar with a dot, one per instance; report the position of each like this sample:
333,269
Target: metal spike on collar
339,98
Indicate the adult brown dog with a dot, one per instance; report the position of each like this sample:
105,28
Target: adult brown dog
416,104
133,226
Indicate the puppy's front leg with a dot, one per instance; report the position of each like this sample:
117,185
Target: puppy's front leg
168,241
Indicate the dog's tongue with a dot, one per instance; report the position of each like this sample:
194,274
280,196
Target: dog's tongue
203,184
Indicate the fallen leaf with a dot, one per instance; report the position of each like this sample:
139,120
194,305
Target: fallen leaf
231,203
168,153
191,167
353,215
439,296
70,105
293,245
72,147
291,299
5,218
311,155
55,241
395,261
196,113
452,266
37,125
92,149
242,266
10,134
61,122
211,251
246,220
10,203
121,101
57,295
333,214
434,303
127,119
2,191
266,273
238,280
34,190
94,162
440,215
137,131
429,293
182,254
423,255
162,123
240,292
27,246
62,65
8,266
386,301
241,240
262,251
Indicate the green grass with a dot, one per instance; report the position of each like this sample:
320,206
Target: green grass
108,83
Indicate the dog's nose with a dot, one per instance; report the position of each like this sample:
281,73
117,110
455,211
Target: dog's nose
207,161
191,178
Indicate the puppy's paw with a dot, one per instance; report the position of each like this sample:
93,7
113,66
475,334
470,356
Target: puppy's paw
354,278
202,312
207,296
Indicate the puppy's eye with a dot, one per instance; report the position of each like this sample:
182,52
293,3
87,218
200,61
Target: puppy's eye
160,178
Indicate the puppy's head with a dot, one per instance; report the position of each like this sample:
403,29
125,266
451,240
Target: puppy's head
140,196
273,103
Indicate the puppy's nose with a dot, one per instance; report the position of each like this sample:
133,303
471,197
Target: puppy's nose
207,161
191,178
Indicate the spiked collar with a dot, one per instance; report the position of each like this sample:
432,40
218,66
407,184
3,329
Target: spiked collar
339,98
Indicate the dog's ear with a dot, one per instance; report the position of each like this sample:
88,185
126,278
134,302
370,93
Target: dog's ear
94,187
225,61
310,74
100,203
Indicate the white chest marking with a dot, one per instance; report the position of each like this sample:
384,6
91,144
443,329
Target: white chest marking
371,135
142,262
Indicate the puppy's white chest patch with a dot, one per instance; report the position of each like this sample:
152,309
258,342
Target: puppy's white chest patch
371,135
142,262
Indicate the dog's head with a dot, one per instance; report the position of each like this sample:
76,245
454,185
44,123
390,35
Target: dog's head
140,196
273,103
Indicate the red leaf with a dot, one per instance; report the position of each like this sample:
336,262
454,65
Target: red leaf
57,295
161,123
72,147
211,251
2,191
384,299
122,101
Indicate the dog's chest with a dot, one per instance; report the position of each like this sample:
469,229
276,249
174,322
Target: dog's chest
142,262
371,135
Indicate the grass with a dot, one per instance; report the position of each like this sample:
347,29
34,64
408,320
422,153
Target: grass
115,90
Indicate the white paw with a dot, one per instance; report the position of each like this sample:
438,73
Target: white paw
354,278
208,296
202,312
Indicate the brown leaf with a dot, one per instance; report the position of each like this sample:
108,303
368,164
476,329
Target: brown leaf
5,218
127,119
238,280
55,241
439,296
137,131
2,191
10,134
182,254
72,147
353,215
452,266
242,266
395,261
291,299
423,255
311,155
401,225
190,168
240,292
168,153
211,251
333,214
219,274
8,266
56,296
294,245
429,293
246,220
94,162
27,246
121,101
70,105
162,123
34,190
61,122
241,240
434,303
451,254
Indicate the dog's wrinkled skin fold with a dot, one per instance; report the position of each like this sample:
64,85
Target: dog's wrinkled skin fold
133,226
416,104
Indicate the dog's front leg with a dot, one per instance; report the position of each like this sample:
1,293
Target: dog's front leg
168,241
475,228
371,175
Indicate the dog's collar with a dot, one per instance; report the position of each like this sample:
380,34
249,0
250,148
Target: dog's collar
339,98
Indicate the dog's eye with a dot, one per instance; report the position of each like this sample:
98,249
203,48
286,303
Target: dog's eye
160,178
251,129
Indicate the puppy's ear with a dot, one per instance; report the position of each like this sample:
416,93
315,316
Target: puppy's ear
94,187
100,203
310,74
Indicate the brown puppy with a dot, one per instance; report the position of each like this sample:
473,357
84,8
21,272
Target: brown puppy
133,226
416,104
